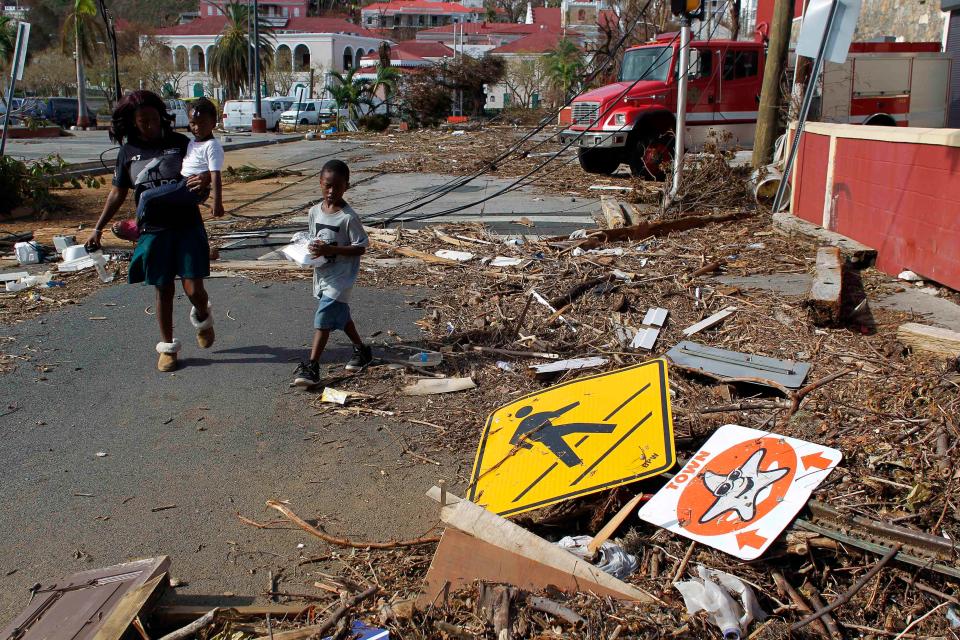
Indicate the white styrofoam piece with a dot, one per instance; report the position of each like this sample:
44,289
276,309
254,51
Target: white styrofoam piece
449,254
299,252
13,277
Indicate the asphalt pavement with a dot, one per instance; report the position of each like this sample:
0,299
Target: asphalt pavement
105,459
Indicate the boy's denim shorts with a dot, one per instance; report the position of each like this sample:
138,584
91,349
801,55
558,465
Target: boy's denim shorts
331,314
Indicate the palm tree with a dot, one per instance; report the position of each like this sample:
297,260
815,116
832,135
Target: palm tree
81,33
348,93
228,58
564,66
387,79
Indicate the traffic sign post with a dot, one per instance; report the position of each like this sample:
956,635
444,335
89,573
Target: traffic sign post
16,73
574,439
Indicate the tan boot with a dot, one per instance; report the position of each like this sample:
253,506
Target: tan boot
205,335
168,355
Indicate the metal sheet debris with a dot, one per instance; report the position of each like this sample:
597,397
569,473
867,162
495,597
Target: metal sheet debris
733,366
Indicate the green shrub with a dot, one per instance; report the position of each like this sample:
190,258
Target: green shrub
23,183
374,122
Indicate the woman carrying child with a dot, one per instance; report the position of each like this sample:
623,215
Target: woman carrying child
173,241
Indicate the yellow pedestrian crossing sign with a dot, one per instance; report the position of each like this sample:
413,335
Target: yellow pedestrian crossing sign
576,438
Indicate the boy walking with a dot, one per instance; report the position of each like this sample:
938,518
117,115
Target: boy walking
340,238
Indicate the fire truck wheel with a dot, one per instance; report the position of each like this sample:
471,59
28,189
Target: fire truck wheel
598,161
651,155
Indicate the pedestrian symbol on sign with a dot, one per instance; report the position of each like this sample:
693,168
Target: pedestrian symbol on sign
539,427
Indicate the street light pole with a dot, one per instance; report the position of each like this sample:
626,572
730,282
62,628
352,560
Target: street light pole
259,125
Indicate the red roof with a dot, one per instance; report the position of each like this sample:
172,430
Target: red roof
212,25
396,55
484,28
424,49
417,6
540,42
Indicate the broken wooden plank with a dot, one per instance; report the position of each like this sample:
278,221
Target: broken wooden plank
929,339
480,545
706,323
411,253
172,614
645,230
429,387
612,212
256,265
856,253
44,236
826,290
133,603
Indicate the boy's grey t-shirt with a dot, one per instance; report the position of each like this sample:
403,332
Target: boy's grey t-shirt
335,278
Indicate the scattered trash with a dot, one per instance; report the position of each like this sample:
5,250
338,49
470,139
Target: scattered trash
712,592
459,256
502,261
428,387
706,323
909,276
953,616
504,365
74,252
568,365
741,489
733,366
62,242
13,277
574,439
28,282
298,251
361,631
27,252
335,396
647,336
613,559
616,251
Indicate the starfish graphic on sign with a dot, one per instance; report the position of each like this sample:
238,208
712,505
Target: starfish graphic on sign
738,490
575,438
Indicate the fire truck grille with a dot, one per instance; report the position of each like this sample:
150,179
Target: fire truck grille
585,112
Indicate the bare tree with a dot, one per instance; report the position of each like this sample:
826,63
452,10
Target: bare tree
525,77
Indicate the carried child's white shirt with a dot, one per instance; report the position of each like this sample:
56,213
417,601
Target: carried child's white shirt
202,157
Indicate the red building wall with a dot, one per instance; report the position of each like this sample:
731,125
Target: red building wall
895,190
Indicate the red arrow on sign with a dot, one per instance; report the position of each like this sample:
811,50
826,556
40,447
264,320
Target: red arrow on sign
816,461
750,539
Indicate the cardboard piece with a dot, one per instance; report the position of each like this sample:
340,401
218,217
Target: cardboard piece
741,489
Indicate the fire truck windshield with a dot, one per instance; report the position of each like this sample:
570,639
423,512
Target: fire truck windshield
648,63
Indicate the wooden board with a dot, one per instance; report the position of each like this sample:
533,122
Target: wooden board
461,560
182,614
826,290
922,337
858,254
495,548
612,213
133,604
257,265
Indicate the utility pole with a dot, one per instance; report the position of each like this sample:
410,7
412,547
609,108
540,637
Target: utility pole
112,37
259,125
683,69
770,94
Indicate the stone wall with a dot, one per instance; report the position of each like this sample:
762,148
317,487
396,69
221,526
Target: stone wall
907,20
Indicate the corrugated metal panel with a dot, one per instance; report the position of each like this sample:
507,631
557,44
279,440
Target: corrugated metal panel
735,366
953,48
78,606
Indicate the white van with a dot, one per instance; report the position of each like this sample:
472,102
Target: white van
238,114
311,112
178,109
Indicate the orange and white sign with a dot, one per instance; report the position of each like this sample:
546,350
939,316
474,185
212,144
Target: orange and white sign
741,489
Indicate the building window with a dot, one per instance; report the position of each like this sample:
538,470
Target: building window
506,99
296,12
219,11
286,12
209,11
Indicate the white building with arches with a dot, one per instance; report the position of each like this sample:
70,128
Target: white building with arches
301,44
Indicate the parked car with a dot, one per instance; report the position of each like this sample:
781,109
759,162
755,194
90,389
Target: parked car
311,112
238,114
62,111
178,109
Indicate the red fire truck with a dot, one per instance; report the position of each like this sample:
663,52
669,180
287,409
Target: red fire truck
632,120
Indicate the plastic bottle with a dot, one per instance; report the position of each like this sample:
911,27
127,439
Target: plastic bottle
100,262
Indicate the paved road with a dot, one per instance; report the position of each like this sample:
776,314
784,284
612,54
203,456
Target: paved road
93,146
220,436
225,433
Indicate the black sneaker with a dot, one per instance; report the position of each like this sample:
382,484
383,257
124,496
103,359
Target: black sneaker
362,356
307,374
